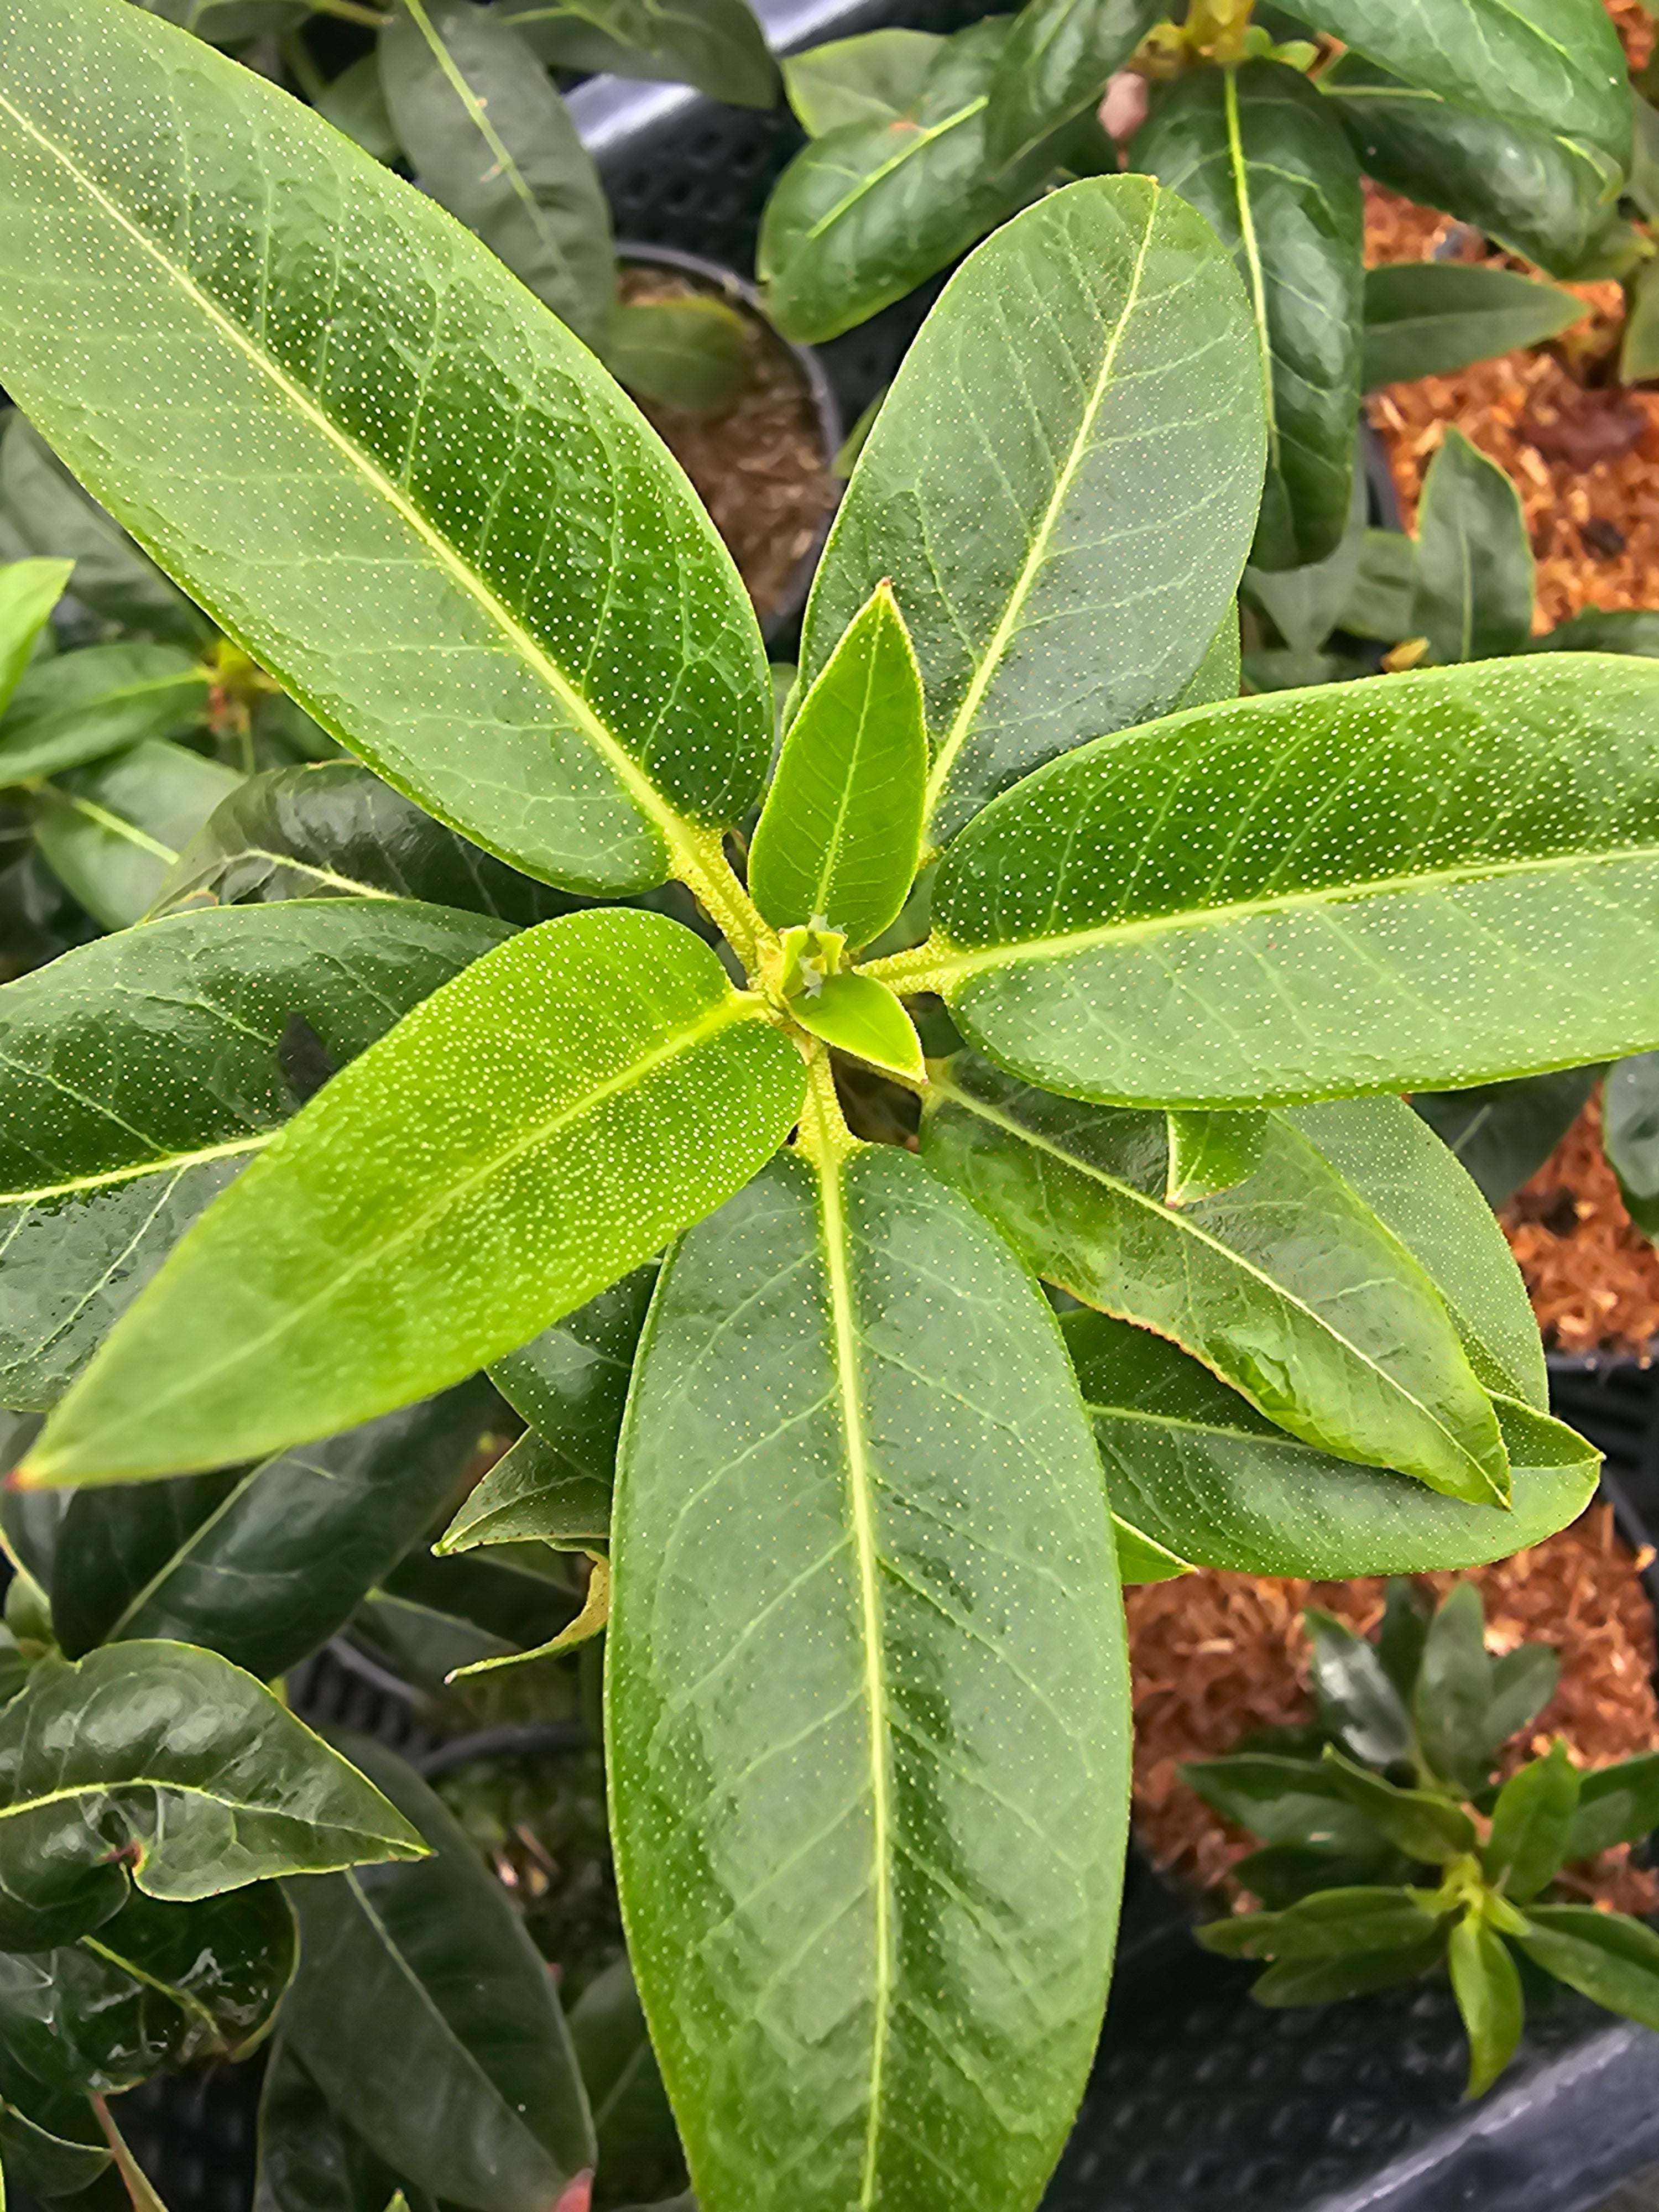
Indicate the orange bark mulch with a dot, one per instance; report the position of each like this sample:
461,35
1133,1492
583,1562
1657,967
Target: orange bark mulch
1592,1274
1215,1656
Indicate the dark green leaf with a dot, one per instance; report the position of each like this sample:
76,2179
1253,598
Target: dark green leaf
1616,1805
112,575
1286,1285
1523,1683
639,2144
1078,420
1503,1133
1284,1801
262,1566
1283,1874
491,140
1553,65
1487,1987
1295,671
1452,1701
593,721
80,706
830,1623
1607,629
1416,1188
1532,1825
1531,191
1331,1923
1603,1955
840,837
716,45
54,2146
136,1075
876,77
1259,153
1407,1612
1429,317
311,2160
691,353
1423,1825
1058,56
29,589
333,829
1327,1981
597,1073
1304,605
111,831
356,103
1630,1132
1357,1701
424,2012
512,1597
1193,914
1379,604
1473,592
532,1493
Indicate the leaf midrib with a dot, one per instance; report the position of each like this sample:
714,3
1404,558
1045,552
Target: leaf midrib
960,961
671,826
167,1163
1184,1226
925,133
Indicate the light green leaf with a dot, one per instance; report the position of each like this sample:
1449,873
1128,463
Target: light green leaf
172,1762
1058,56
597,1075
333,829
861,1549
1217,675
424,2012
1553,65
1604,1955
111,831
859,1015
1503,1133
864,213
1191,1466
718,45
1078,420
1536,193
1286,1285
1332,1923
1437,878
1422,1824
591,722
877,77
29,589
78,706
692,353
1472,596
491,140
1429,318
571,1385
1210,1152
1532,1824
1487,1986
1140,1560
262,1565
112,575
1379,604
1258,152
138,1075
1630,1132
841,833
1413,1184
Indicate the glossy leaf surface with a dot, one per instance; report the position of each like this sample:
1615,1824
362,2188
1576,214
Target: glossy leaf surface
1258,152
1076,419
334,830
864,213
582,1093
1487,1986
29,589
1603,1955
113,575
1058,56
1532,1824
858,1015
876,77
1503,1133
852,1417
425,2012
1554,65
1429,317
491,140
1472,588
1284,1284
1210,1152
175,1763
111,831
1178,916
139,1074
1357,1701
1525,187
1452,1701
80,706
1193,1465
841,833
462,453
264,1565
1416,1188
1629,1133
716,45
